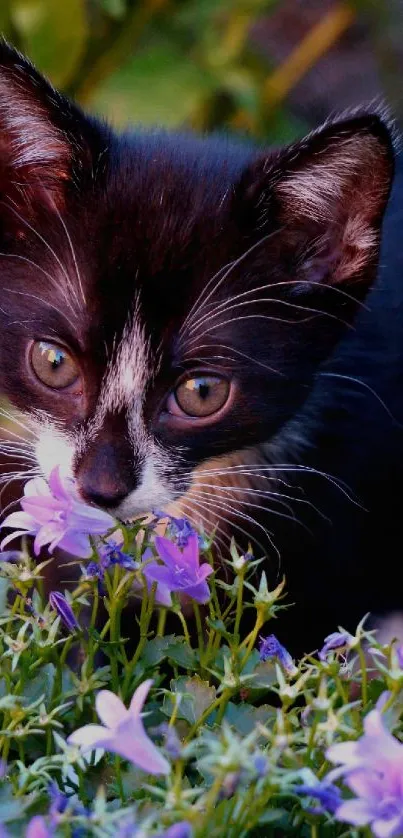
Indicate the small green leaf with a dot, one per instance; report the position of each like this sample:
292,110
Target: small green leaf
42,684
54,33
197,695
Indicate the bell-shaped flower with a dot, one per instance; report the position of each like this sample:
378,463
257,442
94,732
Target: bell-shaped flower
56,515
123,732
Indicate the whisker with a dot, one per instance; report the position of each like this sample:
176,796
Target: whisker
238,352
41,300
211,505
47,245
72,252
227,270
366,387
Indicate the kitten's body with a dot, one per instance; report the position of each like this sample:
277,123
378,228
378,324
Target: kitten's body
157,262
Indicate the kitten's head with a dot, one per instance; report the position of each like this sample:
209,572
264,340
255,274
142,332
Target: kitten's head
165,300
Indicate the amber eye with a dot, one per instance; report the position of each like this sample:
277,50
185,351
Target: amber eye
202,395
53,365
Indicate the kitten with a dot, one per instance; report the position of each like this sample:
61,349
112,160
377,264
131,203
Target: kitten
167,305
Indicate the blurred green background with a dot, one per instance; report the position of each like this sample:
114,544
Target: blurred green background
261,67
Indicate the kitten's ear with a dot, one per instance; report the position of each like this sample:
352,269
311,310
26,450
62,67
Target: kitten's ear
325,196
44,138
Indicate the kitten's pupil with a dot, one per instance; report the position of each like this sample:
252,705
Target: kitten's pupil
201,386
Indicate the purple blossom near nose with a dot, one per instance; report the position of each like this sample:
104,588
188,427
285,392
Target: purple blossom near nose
271,648
183,829
55,514
327,795
37,828
111,553
182,572
179,529
336,642
122,731
59,603
372,768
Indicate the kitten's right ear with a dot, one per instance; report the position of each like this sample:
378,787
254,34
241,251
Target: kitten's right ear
45,141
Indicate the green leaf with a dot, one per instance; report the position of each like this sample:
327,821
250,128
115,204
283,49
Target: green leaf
244,717
159,85
155,650
53,33
181,654
41,684
197,695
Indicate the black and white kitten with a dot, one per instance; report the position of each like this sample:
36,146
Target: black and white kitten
166,303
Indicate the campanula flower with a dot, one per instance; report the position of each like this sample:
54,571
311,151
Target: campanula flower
162,594
271,648
179,530
55,514
64,610
182,571
372,768
123,732
37,828
111,553
182,829
338,641
326,793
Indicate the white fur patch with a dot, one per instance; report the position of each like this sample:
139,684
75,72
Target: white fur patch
52,448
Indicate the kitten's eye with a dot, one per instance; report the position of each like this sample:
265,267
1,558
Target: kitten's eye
202,395
53,365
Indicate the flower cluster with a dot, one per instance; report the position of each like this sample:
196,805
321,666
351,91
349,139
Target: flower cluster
124,711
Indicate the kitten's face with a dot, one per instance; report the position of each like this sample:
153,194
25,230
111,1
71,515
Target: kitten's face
166,300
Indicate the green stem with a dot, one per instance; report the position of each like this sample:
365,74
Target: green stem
199,629
239,604
161,622
184,626
364,678
250,640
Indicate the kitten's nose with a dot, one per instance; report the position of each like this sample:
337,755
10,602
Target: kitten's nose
105,476
107,498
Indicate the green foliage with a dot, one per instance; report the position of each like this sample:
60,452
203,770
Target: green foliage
240,734
183,62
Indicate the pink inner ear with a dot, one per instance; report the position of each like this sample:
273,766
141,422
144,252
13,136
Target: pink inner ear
35,156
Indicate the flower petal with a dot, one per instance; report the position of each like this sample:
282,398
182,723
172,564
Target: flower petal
345,752
168,552
358,812
199,592
191,552
21,520
110,709
139,697
132,743
387,828
90,737
365,783
76,543
157,573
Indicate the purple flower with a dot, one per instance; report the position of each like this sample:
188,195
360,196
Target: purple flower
182,571
179,529
338,641
64,610
56,515
271,648
261,764
399,655
372,768
111,553
182,829
124,732
37,828
327,795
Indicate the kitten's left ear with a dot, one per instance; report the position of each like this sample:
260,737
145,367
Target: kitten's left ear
45,140
325,196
